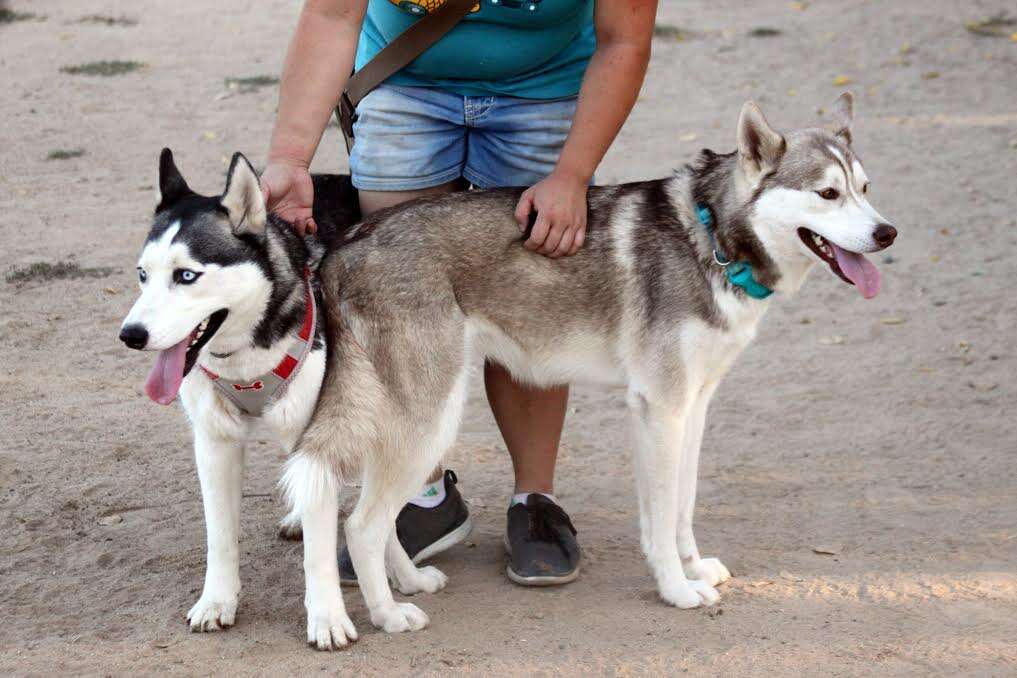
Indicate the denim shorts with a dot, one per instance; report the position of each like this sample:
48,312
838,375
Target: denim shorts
409,138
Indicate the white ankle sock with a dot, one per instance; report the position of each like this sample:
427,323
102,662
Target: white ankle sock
432,494
521,497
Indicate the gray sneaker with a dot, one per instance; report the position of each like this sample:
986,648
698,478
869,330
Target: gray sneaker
541,543
424,532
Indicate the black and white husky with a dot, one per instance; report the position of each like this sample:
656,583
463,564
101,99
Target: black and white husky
229,304
668,289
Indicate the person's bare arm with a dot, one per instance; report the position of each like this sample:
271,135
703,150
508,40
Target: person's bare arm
609,90
318,63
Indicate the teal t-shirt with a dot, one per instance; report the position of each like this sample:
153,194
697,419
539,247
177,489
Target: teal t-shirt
532,49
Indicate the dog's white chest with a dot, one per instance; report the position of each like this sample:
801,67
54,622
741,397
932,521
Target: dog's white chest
712,348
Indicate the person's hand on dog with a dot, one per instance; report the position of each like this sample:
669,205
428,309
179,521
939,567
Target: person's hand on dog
289,193
560,204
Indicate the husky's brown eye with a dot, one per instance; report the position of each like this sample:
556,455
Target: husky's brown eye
829,194
865,188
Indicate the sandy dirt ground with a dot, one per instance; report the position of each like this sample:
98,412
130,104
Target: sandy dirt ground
880,430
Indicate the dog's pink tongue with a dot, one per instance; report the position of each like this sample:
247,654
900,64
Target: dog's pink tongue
168,372
859,270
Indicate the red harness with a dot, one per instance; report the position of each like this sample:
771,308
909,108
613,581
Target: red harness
254,397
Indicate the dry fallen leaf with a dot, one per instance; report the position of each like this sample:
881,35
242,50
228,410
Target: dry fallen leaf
841,80
688,136
892,320
111,519
832,341
827,549
930,75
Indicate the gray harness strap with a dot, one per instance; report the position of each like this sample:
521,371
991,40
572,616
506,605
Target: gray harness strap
255,396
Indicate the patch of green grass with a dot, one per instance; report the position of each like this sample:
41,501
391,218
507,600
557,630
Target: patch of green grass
251,83
61,270
9,16
675,33
103,68
65,153
106,20
997,26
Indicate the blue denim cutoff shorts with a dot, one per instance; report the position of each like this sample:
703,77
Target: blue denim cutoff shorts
409,138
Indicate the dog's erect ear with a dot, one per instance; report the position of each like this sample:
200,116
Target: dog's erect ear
844,115
760,147
172,186
242,198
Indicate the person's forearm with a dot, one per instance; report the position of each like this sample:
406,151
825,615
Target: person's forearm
318,63
609,90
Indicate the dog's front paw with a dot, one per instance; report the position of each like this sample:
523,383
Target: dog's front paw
213,613
689,593
423,580
328,625
710,570
399,617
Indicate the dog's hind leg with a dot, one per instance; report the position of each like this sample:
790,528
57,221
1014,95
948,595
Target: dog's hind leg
710,570
409,578
220,462
389,481
368,532
659,433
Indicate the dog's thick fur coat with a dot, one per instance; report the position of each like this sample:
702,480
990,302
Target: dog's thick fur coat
413,297
434,288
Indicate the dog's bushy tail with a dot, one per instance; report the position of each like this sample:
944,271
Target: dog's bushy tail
307,481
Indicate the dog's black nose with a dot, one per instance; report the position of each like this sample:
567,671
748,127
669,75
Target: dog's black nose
884,235
135,336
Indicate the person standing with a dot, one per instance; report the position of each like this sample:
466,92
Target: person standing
519,93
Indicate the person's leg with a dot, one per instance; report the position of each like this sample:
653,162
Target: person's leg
530,420
372,201
410,143
517,142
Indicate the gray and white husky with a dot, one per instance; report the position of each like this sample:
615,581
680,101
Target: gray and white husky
668,289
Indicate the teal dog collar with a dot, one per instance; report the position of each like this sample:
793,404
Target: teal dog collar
739,273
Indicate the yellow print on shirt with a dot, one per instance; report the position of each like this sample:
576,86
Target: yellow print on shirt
422,7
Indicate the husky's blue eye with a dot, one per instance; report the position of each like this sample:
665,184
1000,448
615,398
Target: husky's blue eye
185,276
142,276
